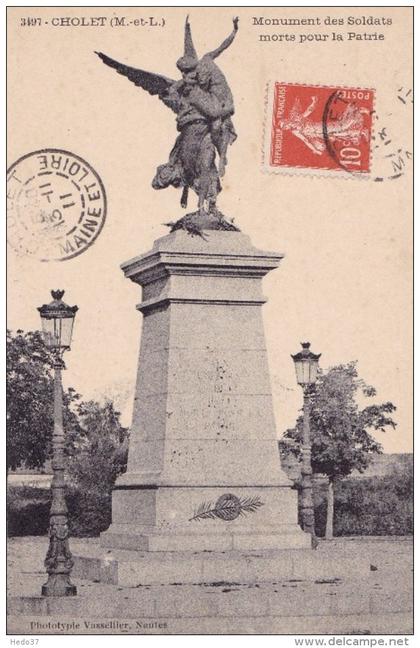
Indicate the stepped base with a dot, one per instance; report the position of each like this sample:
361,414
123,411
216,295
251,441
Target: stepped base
136,568
306,599
139,538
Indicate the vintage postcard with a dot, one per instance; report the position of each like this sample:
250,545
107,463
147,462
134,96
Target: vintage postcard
209,345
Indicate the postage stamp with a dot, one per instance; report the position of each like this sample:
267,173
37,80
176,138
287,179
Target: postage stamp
56,205
323,130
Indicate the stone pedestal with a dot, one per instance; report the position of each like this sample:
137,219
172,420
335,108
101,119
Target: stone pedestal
203,466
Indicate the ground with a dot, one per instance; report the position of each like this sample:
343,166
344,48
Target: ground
380,604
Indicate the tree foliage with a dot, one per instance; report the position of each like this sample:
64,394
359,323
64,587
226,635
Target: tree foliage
380,505
340,430
99,456
96,442
100,446
30,394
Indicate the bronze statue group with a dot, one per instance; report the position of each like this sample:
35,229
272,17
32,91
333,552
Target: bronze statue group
203,103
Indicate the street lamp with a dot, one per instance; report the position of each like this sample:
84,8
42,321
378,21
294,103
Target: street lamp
57,325
306,366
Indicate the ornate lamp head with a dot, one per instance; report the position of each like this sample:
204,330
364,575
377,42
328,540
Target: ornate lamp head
57,322
306,365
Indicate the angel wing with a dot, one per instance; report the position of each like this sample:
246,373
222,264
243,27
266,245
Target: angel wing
155,84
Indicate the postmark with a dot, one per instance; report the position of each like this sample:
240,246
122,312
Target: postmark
56,205
323,130
392,144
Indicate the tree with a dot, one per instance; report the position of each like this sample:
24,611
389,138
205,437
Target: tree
29,393
99,456
100,446
340,430
96,442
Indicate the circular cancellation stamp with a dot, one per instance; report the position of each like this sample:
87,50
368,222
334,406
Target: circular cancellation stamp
56,205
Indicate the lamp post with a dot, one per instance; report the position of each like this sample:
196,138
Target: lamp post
306,366
57,325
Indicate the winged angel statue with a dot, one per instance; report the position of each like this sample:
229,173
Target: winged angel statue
203,103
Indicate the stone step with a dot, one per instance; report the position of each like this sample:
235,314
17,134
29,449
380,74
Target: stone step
277,599
134,568
380,603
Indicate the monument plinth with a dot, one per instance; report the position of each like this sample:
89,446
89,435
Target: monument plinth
203,466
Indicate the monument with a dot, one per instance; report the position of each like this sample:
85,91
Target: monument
203,465
203,471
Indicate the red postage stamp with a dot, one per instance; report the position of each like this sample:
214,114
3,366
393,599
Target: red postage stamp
326,129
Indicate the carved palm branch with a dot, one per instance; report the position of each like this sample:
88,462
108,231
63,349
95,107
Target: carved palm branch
155,84
227,508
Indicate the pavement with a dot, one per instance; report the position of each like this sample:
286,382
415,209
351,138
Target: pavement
380,603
